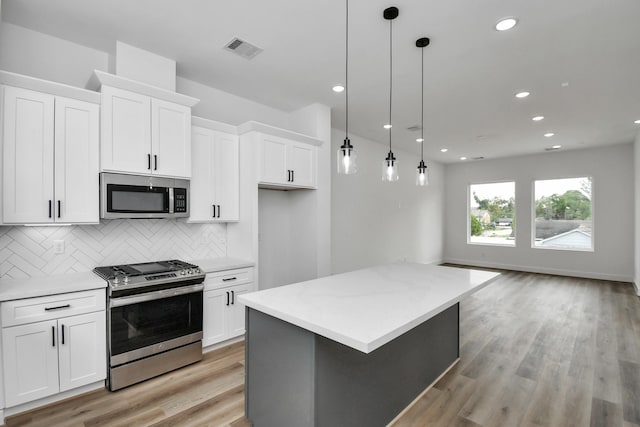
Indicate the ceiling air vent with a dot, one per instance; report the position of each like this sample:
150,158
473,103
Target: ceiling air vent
242,48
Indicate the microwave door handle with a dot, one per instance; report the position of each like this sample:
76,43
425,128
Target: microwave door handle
171,197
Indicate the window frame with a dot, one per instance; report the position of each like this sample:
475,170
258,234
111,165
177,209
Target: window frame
533,215
468,216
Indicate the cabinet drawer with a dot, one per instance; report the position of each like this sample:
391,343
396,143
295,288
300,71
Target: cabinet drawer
221,279
29,310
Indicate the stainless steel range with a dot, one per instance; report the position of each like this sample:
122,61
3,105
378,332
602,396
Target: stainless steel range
154,319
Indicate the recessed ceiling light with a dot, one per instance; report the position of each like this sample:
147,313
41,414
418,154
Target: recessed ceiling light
522,94
555,147
338,88
549,134
444,150
637,122
564,84
419,140
506,24
387,126
537,118
463,158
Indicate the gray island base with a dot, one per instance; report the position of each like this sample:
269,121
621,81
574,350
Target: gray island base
296,378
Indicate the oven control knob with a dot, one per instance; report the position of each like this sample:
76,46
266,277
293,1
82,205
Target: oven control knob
125,279
116,280
183,272
197,270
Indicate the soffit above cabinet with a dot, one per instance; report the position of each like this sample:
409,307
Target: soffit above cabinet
213,125
101,78
45,86
253,126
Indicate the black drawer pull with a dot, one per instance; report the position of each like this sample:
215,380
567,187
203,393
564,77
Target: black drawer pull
60,307
229,279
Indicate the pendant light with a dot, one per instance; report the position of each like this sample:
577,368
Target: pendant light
346,156
422,173
390,164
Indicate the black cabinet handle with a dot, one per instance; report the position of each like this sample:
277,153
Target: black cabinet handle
233,297
49,208
293,176
227,298
62,334
53,336
219,211
57,308
214,210
59,208
228,279
155,162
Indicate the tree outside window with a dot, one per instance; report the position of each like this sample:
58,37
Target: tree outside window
563,214
492,213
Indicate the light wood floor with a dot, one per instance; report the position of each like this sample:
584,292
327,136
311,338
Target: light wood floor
536,350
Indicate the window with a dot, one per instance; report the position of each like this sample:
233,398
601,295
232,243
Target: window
563,211
492,213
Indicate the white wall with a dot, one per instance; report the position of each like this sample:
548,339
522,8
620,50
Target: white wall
376,222
613,212
636,156
39,55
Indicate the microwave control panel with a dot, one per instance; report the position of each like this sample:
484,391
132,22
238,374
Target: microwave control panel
180,200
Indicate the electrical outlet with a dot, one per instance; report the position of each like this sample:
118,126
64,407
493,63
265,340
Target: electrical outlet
58,246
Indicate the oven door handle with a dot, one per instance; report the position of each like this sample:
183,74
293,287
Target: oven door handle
155,295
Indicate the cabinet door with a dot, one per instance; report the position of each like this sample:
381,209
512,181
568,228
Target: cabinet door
125,131
226,169
76,161
27,157
202,179
273,160
82,350
171,139
30,362
236,312
303,164
214,322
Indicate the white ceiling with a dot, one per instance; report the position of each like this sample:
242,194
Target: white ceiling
472,71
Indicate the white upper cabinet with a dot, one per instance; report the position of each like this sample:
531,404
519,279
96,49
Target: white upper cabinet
76,161
126,131
215,182
170,138
144,135
287,163
50,158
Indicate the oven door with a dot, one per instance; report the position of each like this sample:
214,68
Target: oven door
149,323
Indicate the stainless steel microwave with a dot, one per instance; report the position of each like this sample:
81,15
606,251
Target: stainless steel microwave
136,196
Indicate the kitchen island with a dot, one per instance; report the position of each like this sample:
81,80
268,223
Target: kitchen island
352,349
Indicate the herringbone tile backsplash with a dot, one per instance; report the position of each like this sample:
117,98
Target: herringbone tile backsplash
29,251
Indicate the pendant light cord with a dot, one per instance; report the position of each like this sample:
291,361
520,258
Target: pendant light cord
422,112
346,71
390,75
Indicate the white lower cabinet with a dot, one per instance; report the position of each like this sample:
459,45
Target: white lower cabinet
223,316
51,356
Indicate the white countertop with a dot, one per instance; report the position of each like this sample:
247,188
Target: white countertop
367,308
11,289
211,265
